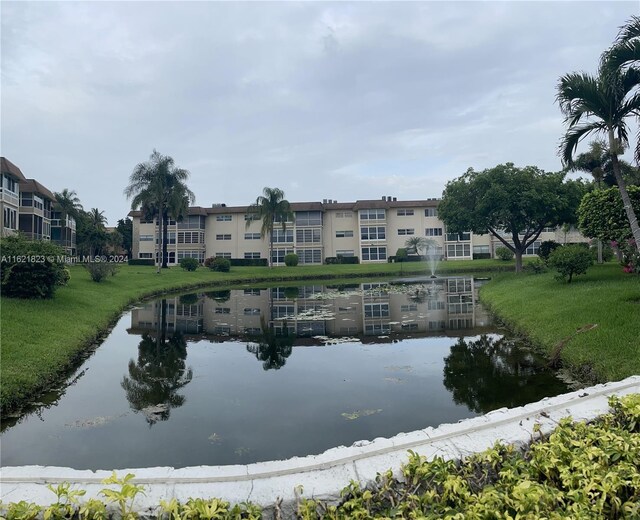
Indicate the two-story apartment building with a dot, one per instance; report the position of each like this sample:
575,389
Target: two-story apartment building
372,230
11,176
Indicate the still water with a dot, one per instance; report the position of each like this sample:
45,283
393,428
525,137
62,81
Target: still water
262,373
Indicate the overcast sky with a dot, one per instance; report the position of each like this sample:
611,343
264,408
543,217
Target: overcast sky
344,101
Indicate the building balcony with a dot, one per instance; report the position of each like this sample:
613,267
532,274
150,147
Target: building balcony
10,197
31,210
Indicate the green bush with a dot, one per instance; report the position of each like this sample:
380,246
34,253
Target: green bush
504,253
535,266
546,248
221,265
291,260
401,255
249,262
189,264
570,260
332,260
100,270
31,269
208,262
141,261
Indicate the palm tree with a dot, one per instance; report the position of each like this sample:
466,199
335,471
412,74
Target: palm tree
97,218
415,244
600,105
270,207
159,189
68,202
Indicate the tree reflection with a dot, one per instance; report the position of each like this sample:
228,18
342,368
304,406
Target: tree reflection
271,347
486,374
160,371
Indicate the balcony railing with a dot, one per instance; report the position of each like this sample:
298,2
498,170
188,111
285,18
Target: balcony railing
9,196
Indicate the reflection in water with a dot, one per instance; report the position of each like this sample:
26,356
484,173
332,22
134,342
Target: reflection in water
160,371
487,374
271,347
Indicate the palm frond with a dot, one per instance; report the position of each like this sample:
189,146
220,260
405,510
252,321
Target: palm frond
572,138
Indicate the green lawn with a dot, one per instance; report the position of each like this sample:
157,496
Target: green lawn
42,338
548,312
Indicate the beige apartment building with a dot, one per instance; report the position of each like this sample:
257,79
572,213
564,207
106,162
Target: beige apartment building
372,230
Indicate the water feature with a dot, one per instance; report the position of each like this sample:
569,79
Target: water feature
260,373
433,253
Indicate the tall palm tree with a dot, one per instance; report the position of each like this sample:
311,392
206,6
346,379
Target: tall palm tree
601,105
415,244
97,218
68,202
270,207
156,186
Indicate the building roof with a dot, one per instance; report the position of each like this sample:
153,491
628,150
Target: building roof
386,203
6,166
33,186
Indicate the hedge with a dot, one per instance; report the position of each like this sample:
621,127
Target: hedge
329,260
141,261
249,262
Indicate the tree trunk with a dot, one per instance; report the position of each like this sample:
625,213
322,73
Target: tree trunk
165,225
626,201
599,244
518,260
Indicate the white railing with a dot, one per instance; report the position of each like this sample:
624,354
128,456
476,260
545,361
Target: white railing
9,196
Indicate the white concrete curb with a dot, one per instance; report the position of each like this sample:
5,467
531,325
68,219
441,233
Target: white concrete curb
323,476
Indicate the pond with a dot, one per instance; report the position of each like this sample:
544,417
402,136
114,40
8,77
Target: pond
262,373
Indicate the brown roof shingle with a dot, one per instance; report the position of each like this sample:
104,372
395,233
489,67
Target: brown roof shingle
8,167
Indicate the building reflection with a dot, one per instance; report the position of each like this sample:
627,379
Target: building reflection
313,314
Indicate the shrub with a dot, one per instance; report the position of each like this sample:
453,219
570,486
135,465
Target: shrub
249,262
208,262
219,296
546,248
291,260
100,270
189,264
220,264
570,260
401,255
536,266
189,299
332,260
31,269
504,253
141,261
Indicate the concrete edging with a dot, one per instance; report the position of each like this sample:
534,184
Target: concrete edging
323,476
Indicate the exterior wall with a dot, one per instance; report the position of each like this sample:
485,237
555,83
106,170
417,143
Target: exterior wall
371,230
9,204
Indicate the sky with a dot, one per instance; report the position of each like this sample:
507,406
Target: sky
336,100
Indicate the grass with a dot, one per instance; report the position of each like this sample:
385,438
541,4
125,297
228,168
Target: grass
559,317
42,339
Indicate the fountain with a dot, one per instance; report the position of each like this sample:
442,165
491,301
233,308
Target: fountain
432,255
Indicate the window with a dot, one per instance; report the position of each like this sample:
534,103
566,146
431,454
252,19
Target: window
344,214
437,325
377,328
435,305
10,218
223,218
308,218
252,255
191,237
282,237
372,214
548,230
345,252
145,255
372,233
251,311
252,292
374,253
459,237
481,250
412,307
222,330
407,231
224,236
460,323
409,326
192,222
532,249
376,310
460,303
251,217
404,212
431,212
282,311
278,255
307,236
433,232
459,285
252,331
222,310
198,255
223,255
458,250
171,237
309,256
143,238
252,236
344,234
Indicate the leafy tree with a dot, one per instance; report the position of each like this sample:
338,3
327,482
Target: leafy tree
597,162
68,202
571,260
601,104
520,202
91,235
269,208
159,189
601,214
125,229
